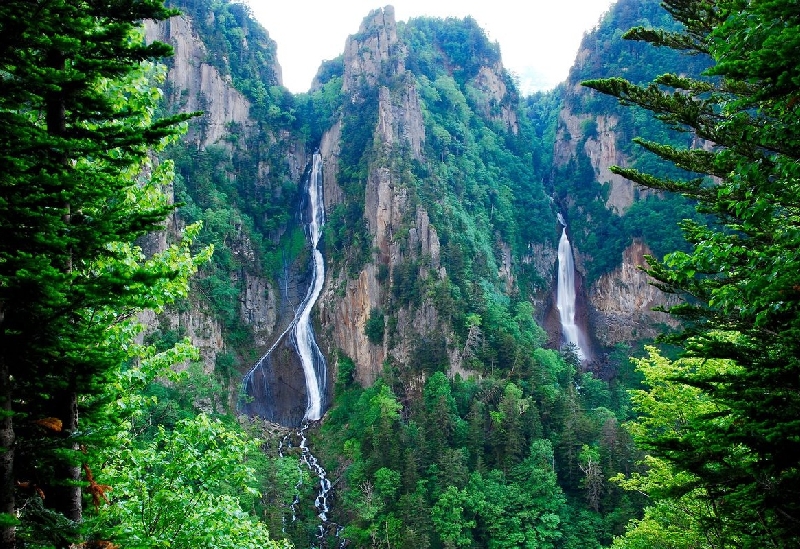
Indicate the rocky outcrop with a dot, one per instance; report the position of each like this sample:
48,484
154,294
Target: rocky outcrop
329,149
543,257
623,301
401,231
258,307
373,52
505,272
195,323
496,100
599,137
602,152
194,85
619,302
400,117
347,315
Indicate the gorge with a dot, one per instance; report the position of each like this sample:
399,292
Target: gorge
435,211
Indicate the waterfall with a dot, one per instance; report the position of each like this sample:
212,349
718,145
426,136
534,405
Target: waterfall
326,526
565,293
300,330
301,334
314,367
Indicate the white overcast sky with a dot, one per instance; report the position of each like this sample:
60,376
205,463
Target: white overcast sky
538,38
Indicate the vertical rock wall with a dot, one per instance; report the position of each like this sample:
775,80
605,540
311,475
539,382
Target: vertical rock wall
192,84
399,230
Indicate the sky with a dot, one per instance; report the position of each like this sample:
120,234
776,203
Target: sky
538,38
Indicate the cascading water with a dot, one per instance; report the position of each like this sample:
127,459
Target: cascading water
308,459
300,330
565,294
313,362
314,367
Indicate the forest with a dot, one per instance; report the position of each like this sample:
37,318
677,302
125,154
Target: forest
150,252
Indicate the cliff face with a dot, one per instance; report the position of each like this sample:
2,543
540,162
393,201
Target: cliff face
615,221
195,85
371,57
451,221
596,137
227,124
496,100
620,302
437,211
623,301
373,50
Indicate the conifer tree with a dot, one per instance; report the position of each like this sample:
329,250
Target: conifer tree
75,130
740,281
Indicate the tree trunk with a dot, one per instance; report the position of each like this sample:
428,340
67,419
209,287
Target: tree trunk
7,440
65,492
64,495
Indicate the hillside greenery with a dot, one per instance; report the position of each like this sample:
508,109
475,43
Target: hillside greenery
520,456
241,189
114,437
732,456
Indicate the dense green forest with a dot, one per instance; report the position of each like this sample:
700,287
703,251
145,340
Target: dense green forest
117,435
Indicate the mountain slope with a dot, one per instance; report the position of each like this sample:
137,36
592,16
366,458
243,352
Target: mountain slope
614,224
440,248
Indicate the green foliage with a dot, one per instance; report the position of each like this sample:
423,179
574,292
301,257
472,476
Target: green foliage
471,463
739,278
241,48
458,43
240,187
79,189
189,487
347,240
319,109
374,327
174,476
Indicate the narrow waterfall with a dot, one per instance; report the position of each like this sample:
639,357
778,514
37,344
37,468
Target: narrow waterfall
300,330
314,366
301,334
565,294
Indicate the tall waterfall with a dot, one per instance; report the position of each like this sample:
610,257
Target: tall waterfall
301,335
314,367
300,330
565,293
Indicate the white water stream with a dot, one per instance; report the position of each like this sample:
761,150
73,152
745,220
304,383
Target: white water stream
300,328
565,294
314,366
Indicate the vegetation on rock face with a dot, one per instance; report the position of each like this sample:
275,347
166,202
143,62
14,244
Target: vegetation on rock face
241,188
521,456
601,230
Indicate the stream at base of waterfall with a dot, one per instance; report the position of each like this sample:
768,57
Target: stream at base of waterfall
301,334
